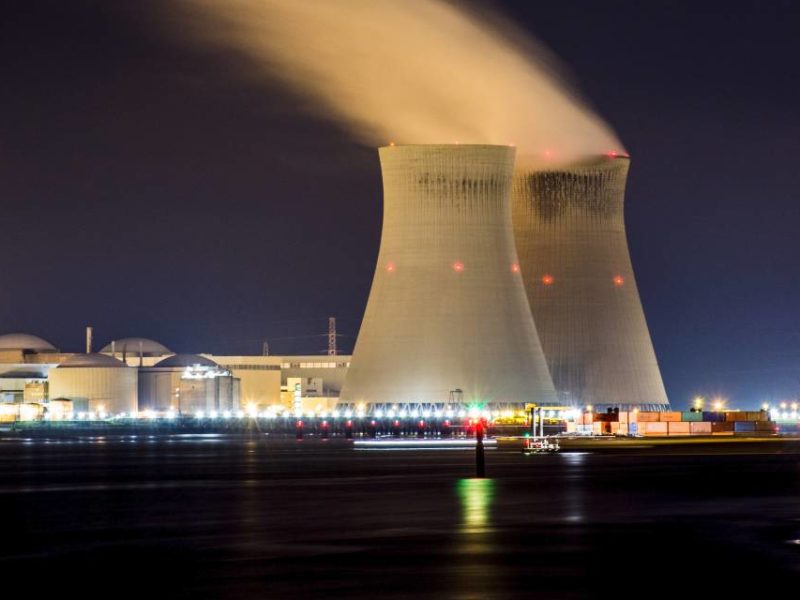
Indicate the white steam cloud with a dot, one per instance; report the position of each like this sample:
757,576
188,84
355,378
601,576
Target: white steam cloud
409,71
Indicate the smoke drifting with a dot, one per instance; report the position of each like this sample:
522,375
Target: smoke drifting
410,71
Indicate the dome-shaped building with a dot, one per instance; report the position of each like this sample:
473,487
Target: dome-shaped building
96,383
137,351
188,384
26,343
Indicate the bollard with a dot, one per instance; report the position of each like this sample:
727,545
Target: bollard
325,430
480,460
421,429
299,430
348,430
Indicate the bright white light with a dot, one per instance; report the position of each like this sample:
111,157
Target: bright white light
426,414
170,414
227,414
213,414
794,414
348,414
403,414
361,414
252,410
200,414
462,413
101,415
82,415
437,413
91,416
414,414
239,414
335,414
391,414
785,416
378,414
450,414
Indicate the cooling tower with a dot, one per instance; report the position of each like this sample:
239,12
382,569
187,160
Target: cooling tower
447,309
569,230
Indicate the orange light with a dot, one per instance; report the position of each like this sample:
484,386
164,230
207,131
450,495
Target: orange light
515,268
458,267
391,143
547,279
618,280
548,153
390,267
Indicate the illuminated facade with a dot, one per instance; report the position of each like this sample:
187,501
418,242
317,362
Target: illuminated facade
447,309
569,230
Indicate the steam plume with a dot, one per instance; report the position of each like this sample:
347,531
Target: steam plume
409,71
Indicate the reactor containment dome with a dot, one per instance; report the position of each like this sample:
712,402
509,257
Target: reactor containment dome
569,229
447,310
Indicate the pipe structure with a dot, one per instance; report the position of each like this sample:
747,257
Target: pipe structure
447,309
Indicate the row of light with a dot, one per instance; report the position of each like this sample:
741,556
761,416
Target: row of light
348,414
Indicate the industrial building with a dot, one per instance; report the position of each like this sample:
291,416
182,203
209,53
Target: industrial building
447,317
139,374
569,229
187,383
95,383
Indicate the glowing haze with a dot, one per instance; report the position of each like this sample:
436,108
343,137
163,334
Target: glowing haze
410,71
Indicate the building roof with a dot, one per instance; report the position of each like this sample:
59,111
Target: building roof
186,360
25,342
131,346
92,361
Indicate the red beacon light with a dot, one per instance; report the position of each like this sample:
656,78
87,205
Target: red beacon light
458,267
515,268
390,267
618,280
547,279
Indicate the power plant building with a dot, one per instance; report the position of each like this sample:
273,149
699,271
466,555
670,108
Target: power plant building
569,229
447,316
187,383
95,383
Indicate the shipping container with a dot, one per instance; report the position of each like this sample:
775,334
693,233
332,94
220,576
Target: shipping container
653,428
713,417
765,426
623,429
758,415
623,416
744,426
690,417
722,426
700,428
633,429
647,417
678,428
669,417
736,416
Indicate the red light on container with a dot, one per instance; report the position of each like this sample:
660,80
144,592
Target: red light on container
618,280
299,423
458,267
324,423
349,423
515,268
397,423
612,153
390,267
547,279
372,422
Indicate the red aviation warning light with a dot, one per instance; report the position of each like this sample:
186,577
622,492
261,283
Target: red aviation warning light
547,279
515,268
390,267
619,281
458,267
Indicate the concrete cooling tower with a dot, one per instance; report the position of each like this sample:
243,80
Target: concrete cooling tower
569,230
447,310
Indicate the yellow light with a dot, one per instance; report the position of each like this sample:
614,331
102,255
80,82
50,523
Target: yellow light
589,408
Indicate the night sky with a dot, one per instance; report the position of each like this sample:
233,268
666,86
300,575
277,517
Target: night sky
151,188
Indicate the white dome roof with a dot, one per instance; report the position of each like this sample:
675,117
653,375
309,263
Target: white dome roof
130,346
186,360
25,341
92,361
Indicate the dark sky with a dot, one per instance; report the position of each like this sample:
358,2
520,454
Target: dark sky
150,188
